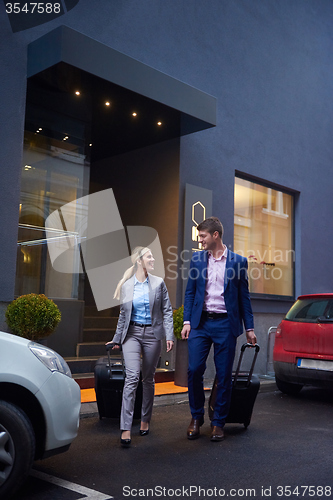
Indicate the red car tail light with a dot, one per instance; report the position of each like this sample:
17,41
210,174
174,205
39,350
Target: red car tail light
278,332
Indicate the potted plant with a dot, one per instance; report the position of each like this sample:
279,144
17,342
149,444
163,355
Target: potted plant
181,349
32,316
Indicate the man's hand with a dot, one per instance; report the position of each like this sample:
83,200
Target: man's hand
169,344
251,338
185,332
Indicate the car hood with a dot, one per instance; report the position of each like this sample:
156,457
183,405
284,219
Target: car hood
18,364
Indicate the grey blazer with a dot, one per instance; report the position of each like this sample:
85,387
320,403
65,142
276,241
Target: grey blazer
159,304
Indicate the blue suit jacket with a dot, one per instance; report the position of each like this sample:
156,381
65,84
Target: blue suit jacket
236,291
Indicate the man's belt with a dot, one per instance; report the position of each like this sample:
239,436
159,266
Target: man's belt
214,315
134,323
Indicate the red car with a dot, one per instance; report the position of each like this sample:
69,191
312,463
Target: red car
303,349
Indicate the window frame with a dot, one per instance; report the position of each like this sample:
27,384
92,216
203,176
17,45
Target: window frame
292,193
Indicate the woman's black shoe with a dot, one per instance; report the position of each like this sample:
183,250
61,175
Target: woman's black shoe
126,443
144,433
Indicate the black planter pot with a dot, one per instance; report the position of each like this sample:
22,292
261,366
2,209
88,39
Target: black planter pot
181,363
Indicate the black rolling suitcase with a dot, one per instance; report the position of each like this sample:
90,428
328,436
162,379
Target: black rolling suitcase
245,387
109,383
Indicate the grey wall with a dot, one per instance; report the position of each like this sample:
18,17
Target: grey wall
270,65
12,107
69,331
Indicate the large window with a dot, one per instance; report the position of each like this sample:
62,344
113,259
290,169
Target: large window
51,177
263,232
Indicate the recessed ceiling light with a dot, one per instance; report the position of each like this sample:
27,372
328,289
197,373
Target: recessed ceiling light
159,123
90,145
107,103
77,92
40,128
134,114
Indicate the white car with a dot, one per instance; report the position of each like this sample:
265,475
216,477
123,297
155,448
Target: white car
39,408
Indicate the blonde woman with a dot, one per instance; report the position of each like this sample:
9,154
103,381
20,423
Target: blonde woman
145,319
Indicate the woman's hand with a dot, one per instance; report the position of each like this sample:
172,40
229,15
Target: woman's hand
169,344
116,346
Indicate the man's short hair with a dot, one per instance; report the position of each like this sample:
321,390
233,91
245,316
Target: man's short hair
211,225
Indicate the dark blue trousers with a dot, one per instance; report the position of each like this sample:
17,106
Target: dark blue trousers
217,332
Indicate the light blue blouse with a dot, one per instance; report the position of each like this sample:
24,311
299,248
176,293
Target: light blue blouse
140,307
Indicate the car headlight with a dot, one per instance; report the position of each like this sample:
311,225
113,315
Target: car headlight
52,360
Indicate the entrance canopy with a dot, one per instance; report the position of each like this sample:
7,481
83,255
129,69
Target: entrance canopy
133,104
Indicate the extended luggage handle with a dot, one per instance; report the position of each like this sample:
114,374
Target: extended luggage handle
244,346
108,348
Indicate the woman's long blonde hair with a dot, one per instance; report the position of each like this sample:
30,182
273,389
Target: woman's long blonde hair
137,254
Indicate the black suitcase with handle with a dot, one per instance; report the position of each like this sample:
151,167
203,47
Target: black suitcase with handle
245,387
109,383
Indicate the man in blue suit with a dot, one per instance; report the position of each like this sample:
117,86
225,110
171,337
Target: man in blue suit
217,303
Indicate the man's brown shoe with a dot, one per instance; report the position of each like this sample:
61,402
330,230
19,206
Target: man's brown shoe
193,430
217,434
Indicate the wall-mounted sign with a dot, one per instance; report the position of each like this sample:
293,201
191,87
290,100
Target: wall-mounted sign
198,206
198,215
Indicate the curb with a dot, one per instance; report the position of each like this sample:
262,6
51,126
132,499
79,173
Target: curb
90,409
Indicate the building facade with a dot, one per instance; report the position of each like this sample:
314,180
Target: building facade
183,110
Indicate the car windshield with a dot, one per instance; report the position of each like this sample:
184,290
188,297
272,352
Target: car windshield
308,310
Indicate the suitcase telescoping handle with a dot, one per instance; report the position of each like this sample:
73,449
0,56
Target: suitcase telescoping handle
111,345
244,346
108,348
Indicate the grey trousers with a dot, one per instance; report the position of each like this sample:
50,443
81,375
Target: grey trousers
139,340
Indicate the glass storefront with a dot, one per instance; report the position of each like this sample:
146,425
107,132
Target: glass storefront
263,232
55,171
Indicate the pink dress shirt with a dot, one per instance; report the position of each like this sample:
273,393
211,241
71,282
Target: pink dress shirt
214,294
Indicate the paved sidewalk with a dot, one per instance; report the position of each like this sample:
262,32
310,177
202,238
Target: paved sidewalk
267,384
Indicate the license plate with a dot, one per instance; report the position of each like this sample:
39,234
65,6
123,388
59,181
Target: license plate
315,364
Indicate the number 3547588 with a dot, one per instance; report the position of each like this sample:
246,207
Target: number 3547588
304,491
33,8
